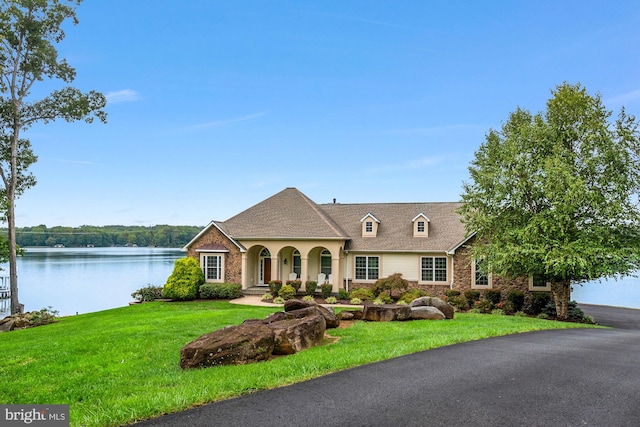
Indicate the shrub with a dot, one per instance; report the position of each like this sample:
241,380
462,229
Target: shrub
475,310
400,302
287,292
378,301
535,302
267,297
331,300
355,301
308,298
472,296
362,293
278,300
148,293
326,289
484,305
385,298
459,302
310,287
343,294
507,307
520,314
42,317
390,283
450,293
516,298
274,287
221,290
412,294
295,284
492,295
542,316
185,280
497,312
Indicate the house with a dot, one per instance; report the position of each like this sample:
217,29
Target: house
289,236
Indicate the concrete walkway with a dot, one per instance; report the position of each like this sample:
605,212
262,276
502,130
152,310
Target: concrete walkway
573,377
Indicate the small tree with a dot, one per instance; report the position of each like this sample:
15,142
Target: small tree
390,283
555,194
185,280
29,31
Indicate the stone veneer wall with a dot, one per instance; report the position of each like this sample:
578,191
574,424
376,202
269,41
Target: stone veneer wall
232,259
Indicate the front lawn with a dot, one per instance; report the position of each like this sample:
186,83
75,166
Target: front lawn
118,366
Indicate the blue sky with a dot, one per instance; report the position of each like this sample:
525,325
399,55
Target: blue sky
217,105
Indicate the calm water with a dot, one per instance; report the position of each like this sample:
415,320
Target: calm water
92,279
82,280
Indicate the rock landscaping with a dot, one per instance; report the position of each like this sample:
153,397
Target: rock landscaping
302,325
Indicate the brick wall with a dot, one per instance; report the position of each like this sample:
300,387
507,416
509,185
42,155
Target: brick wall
232,259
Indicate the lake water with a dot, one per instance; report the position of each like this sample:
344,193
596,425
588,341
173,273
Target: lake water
83,280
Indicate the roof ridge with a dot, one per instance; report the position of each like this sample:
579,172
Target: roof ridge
323,215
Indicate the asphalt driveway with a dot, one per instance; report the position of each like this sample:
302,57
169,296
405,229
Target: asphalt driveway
581,377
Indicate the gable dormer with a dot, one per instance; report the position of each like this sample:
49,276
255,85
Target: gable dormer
421,225
369,225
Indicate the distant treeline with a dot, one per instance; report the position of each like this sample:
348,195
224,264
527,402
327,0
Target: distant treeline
167,236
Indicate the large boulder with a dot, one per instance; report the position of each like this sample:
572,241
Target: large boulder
228,346
425,312
292,336
350,315
385,312
444,307
298,309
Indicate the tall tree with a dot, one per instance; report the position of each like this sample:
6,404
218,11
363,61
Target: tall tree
556,194
30,30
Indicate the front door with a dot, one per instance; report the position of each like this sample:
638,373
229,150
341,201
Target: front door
266,269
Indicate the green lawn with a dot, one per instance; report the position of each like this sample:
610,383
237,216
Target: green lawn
118,366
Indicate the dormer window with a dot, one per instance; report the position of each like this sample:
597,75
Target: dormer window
420,225
369,225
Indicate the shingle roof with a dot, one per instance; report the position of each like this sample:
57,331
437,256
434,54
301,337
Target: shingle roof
290,214
395,232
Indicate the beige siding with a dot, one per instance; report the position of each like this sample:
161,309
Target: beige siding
407,264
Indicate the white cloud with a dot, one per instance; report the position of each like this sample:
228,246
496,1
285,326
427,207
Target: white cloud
224,122
624,98
126,95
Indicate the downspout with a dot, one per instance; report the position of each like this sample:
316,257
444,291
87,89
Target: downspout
346,273
453,269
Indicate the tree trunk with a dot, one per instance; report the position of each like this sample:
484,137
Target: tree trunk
561,292
10,188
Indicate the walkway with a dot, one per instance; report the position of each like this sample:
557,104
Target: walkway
572,377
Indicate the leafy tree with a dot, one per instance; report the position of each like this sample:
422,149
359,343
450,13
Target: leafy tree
30,30
555,194
185,280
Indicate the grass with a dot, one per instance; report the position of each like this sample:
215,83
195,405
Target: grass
118,366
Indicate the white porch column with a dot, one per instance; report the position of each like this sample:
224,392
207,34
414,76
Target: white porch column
244,272
335,273
274,268
304,269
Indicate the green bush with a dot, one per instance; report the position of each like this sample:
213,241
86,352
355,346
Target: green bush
287,292
185,280
343,294
516,298
331,300
472,296
385,298
221,290
274,287
412,294
450,293
310,287
295,284
497,312
459,301
484,305
267,297
362,293
492,295
148,293
308,298
278,300
326,289
42,317
390,283
355,301
535,302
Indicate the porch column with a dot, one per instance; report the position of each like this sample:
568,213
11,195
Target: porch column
304,269
275,262
335,274
244,272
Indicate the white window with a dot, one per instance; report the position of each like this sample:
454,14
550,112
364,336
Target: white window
434,269
480,279
325,262
420,226
367,267
297,263
539,282
368,227
213,268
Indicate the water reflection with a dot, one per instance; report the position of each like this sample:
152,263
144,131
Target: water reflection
81,280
